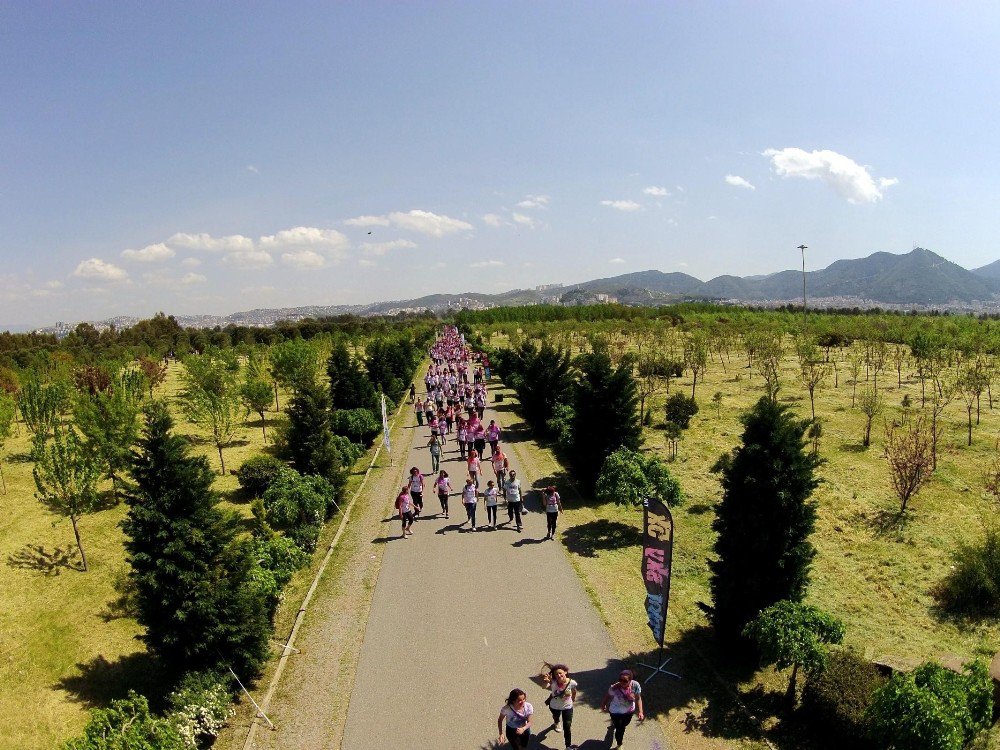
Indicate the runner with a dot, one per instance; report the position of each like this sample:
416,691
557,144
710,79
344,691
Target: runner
515,718
514,500
404,504
491,504
470,498
621,701
417,490
562,695
443,486
553,507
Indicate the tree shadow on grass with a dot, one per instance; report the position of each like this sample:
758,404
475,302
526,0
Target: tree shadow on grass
592,537
853,447
48,562
20,458
99,681
699,509
886,522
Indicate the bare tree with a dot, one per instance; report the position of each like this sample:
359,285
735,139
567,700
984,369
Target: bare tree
814,373
899,358
871,405
769,352
942,393
908,451
854,361
971,385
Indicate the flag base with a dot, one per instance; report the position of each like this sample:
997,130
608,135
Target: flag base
660,668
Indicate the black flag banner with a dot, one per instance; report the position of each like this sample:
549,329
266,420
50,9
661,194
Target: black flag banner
657,554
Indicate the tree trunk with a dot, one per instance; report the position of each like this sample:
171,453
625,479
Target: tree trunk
970,424
263,428
3,479
868,433
79,544
276,406
812,403
221,459
694,382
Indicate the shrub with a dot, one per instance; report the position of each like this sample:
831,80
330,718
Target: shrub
358,425
679,409
200,707
127,724
282,557
932,708
297,505
560,426
835,699
973,587
257,473
349,452
628,477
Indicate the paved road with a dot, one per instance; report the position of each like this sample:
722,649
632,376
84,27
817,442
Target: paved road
459,618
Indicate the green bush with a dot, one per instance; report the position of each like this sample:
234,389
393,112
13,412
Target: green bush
629,477
282,557
679,409
932,708
358,425
297,506
349,452
973,586
257,473
127,724
835,699
200,707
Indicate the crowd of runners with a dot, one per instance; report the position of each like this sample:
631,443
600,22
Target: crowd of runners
452,409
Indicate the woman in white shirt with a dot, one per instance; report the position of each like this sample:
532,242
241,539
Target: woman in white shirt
621,701
491,504
515,720
470,497
562,695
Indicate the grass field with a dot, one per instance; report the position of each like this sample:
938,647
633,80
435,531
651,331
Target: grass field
873,572
63,648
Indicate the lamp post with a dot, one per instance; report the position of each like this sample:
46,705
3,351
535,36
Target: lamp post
803,249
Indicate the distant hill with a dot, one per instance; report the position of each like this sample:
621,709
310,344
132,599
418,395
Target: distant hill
991,271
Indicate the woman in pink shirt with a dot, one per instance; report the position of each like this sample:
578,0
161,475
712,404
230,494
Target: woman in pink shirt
474,466
404,504
443,486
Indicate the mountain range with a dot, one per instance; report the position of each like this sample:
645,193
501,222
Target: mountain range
920,279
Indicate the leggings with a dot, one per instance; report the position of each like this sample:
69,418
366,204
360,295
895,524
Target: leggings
518,740
435,461
418,500
567,721
551,519
514,511
444,503
619,722
470,511
491,514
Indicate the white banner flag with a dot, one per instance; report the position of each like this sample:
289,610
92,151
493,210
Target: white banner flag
385,427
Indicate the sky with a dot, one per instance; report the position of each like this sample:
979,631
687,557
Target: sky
216,157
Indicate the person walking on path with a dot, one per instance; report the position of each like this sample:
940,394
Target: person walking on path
418,407
500,466
493,436
623,699
417,490
434,446
413,392
553,507
562,695
512,489
515,718
479,437
443,486
474,464
461,437
491,504
404,504
470,498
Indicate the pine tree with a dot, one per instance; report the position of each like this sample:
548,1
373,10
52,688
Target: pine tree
764,519
310,444
605,414
194,580
350,387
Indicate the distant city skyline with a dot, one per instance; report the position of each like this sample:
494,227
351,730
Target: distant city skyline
201,159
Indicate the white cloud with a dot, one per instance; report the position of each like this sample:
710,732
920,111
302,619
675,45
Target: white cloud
737,181
191,262
149,254
488,264
523,220
193,278
95,268
367,221
617,261
492,220
657,192
206,242
381,248
425,222
303,259
252,168
249,259
848,178
622,205
54,284
266,289
299,239
534,201
367,262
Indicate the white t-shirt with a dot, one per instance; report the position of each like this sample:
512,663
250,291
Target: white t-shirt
416,483
619,704
491,495
513,490
517,719
562,698
469,494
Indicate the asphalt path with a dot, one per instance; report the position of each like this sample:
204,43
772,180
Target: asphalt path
461,617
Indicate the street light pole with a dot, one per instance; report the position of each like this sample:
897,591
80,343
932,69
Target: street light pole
803,249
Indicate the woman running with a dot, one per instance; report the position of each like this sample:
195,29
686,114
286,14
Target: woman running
470,498
621,701
515,718
473,463
443,486
434,446
404,504
491,504
562,695
553,507
416,484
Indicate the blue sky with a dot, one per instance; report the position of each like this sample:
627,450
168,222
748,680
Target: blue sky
215,157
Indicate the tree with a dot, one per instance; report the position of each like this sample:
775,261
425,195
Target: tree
127,724
309,442
109,420
792,634
7,411
871,405
679,409
674,434
42,405
154,371
764,520
628,477
210,400
696,357
605,413
942,393
814,373
854,360
769,352
350,387
541,378
908,451
255,392
971,385
294,365
66,476
194,579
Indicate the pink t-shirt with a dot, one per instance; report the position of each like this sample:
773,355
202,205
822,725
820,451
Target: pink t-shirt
492,432
443,485
404,502
474,464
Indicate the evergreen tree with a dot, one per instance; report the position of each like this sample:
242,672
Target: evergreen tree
605,414
350,387
764,520
309,440
194,581
109,419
